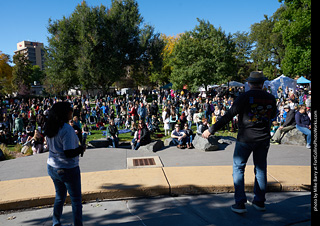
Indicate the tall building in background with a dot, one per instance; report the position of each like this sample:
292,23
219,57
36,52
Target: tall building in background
33,51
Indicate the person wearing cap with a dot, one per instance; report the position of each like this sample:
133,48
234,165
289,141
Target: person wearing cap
255,108
289,124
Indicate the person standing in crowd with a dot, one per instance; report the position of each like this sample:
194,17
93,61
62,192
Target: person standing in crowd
132,111
166,121
113,133
142,112
85,133
303,124
77,130
18,124
207,110
256,108
105,109
173,119
63,161
308,100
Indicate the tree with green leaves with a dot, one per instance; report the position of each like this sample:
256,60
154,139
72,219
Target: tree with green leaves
92,48
202,57
268,51
295,26
61,55
243,50
22,72
148,66
6,86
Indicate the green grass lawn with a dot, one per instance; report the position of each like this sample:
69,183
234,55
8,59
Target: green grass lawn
98,134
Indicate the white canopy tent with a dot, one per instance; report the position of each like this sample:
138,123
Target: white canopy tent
233,84
281,81
202,89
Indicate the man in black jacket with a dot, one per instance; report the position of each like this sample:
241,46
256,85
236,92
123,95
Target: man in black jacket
289,124
113,133
154,108
256,108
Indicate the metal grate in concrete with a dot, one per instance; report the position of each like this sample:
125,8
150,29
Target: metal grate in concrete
142,162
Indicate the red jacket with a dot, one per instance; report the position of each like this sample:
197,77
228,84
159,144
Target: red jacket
133,111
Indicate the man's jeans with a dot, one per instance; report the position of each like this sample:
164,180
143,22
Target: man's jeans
189,139
241,154
305,131
66,180
280,133
114,141
175,141
135,144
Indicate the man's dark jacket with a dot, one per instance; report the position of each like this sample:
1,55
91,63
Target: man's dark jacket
290,119
255,108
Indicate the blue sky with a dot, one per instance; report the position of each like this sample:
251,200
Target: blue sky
28,20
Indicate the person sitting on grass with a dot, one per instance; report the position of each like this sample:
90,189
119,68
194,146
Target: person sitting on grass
100,125
204,126
142,136
37,142
117,121
22,138
178,137
189,137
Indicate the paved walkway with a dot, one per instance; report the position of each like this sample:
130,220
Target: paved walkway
108,173
283,208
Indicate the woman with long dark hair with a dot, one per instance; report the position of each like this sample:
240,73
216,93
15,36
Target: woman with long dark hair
63,161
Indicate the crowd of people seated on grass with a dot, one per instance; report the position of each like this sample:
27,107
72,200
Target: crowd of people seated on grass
159,113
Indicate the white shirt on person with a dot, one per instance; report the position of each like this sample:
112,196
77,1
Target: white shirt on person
66,139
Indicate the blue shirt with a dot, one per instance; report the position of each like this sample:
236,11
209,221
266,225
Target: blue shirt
65,139
104,109
178,134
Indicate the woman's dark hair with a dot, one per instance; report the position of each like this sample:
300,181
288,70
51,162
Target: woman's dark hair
58,115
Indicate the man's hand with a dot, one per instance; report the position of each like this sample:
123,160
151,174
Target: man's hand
206,134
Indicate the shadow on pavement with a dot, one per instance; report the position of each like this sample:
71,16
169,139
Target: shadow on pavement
282,209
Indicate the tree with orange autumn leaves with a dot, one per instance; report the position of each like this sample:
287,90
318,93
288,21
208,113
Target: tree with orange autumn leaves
170,42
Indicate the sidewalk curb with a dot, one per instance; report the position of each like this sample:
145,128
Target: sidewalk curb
149,182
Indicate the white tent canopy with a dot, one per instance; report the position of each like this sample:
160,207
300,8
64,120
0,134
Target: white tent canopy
202,89
233,84
281,81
